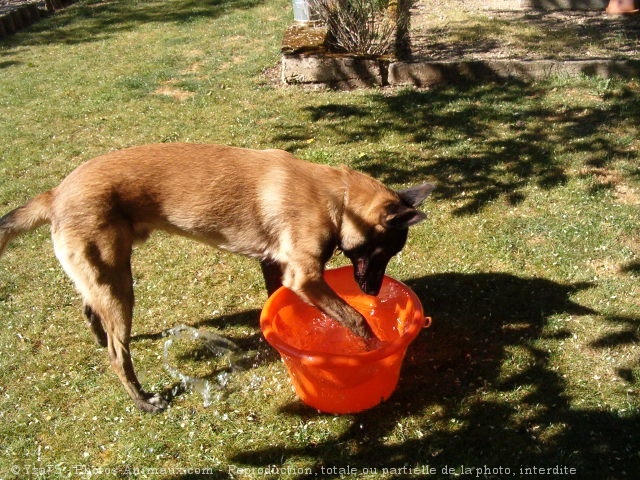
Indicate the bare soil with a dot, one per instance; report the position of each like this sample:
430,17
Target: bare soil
500,29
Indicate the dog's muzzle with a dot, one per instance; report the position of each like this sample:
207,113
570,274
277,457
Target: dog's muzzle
368,279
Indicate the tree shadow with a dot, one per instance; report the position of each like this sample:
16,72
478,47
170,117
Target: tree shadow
8,64
467,410
632,267
96,20
479,143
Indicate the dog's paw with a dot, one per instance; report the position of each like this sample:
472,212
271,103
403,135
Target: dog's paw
373,343
152,403
362,329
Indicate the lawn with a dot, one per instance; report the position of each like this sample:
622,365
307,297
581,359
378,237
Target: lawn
528,264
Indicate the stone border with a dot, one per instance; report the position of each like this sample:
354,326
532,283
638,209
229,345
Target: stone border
424,74
341,72
14,16
346,72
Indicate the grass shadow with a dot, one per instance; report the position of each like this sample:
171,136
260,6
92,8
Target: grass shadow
455,391
479,143
205,355
632,267
248,318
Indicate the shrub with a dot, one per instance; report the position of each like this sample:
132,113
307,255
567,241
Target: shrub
365,27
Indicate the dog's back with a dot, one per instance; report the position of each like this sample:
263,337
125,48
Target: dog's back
217,194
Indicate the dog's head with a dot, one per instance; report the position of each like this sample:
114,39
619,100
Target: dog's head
372,239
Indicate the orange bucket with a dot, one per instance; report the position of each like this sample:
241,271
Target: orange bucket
331,368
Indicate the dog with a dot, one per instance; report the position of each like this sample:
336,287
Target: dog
290,214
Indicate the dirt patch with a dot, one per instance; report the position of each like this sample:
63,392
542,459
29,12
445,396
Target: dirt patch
624,193
196,56
170,89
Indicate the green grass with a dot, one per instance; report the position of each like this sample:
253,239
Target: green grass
528,264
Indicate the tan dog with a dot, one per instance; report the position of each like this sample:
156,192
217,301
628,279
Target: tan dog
289,214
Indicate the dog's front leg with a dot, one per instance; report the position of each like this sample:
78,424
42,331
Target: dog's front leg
316,291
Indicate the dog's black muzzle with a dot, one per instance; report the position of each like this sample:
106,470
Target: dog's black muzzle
368,275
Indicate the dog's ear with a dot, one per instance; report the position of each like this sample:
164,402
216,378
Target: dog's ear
414,196
403,215
400,216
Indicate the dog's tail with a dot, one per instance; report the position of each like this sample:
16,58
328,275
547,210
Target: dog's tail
23,219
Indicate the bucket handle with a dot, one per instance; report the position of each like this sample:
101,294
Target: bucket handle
427,322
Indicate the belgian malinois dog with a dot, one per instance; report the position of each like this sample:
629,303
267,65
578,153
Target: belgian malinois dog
289,214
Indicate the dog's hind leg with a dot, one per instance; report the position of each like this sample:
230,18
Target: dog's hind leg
99,265
95,325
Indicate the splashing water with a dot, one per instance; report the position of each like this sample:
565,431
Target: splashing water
221,348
